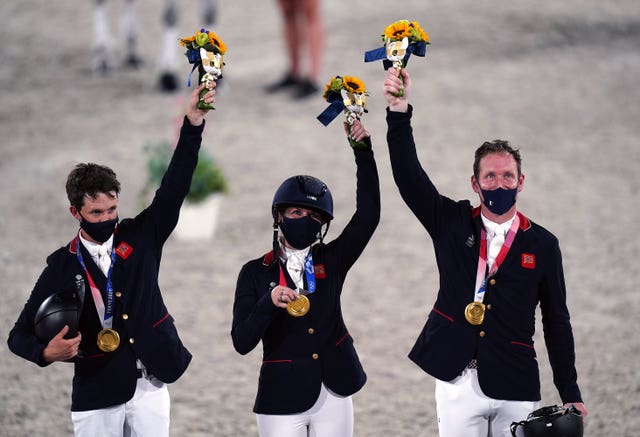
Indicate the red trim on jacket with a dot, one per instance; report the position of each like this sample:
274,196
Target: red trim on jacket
525,223
342,339
268,259
93,356
72,246
166,316
519,343
443,314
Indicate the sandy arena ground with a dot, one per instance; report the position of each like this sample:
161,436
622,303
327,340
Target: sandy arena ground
558,79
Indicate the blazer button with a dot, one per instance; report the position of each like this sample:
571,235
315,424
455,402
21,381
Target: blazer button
482,334
311,331
314,356
125,316
118,294
488,306
131,340
492,281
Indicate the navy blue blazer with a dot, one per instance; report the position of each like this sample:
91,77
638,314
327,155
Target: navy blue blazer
147,331
530,274
301,353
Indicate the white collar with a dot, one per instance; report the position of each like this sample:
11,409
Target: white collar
95,249
297,254
492,226
294,260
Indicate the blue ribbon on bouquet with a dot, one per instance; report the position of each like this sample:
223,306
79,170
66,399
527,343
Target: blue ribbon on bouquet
194,57
418,48
333,110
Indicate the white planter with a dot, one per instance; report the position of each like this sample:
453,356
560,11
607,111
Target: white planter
198,220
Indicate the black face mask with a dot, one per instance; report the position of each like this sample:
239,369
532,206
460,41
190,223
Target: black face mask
499,200
301,232
100,231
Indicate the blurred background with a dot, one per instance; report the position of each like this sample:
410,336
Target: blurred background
557,79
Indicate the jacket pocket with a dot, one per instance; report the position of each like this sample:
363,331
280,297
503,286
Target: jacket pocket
275,373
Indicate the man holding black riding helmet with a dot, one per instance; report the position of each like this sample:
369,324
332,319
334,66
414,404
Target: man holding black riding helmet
127,347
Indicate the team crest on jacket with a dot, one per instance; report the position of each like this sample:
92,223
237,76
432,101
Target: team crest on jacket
124,250
319,271
471,240
528,261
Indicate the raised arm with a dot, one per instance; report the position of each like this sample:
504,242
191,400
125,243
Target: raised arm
165,207
355,236
415,187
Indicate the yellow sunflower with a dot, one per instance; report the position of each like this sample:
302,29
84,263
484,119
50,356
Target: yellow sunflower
405,28
353,84
327,90
334,85
216,41
398,30
187,41
420,34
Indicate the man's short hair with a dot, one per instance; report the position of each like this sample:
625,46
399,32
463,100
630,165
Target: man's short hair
90,180
496,146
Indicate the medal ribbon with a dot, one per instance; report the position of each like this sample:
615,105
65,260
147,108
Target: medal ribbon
309,273
482,275
104,313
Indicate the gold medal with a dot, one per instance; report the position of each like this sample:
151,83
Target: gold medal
108,340
299,307
474,313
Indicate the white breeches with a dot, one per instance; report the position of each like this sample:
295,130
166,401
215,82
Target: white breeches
330,416
463,410
146,414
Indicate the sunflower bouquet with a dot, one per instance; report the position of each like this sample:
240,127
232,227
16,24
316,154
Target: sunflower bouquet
401,39
345,94
205,50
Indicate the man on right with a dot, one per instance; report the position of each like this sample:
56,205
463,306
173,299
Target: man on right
495,266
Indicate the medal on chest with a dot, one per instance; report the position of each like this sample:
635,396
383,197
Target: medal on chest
108,338
302,304
475,311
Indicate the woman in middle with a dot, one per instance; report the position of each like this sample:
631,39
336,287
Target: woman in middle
290,299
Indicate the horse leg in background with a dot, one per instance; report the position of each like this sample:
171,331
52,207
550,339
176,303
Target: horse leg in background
130,34
168,59
102,56
209,11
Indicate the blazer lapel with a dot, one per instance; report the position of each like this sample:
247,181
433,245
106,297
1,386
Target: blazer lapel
519,245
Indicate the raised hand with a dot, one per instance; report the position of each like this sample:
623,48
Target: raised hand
356,131
392,86
194,114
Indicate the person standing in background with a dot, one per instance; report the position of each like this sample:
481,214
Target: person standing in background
303,33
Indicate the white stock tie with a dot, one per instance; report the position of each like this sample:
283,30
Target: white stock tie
295,265
104,258
495,245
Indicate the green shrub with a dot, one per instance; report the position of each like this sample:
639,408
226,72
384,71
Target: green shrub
207,177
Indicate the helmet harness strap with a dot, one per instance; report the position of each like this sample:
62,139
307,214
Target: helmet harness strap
276,245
